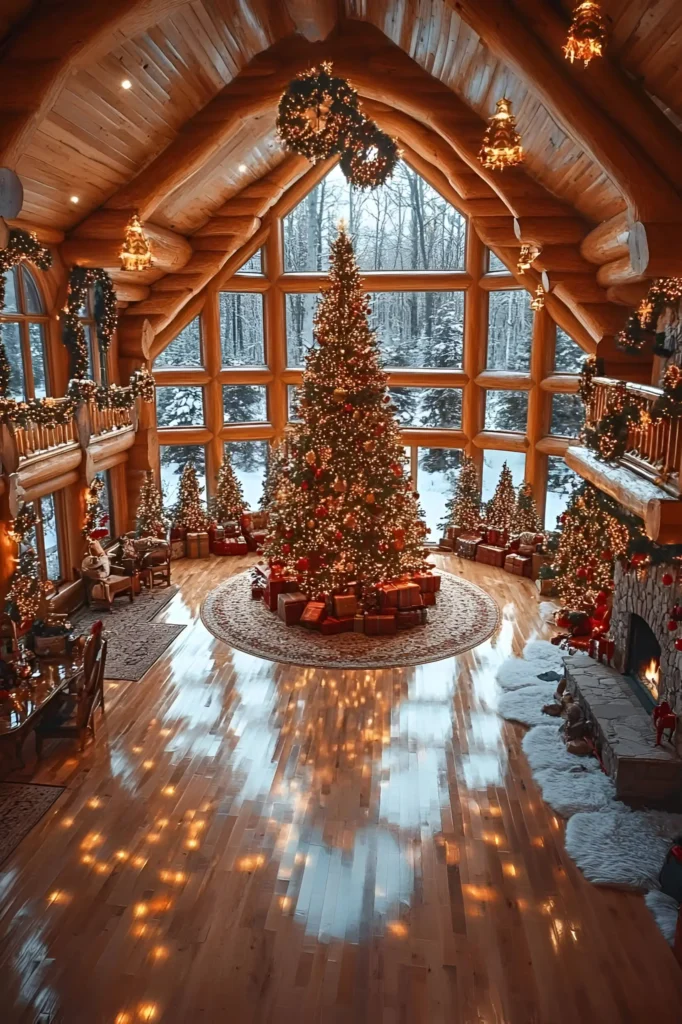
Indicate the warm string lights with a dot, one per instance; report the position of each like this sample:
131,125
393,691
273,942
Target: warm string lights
136,253
463,509
526,515
501,145
81,279
500,511
150,520
538,301
26,588
96,519
370,156
664,294
20,246
228,501
189,513
587,33
527,256
345,511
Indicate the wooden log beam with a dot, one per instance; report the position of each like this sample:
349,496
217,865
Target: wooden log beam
313,19
608,241
549,230
573,287
628,294
619,272
96,242
649,195
655,249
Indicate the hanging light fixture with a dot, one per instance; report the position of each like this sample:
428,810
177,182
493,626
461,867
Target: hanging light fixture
538,302
527,256
587,34
135,253
501,143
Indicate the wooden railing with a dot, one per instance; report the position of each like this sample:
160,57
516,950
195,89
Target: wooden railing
34,439
103,421
653,451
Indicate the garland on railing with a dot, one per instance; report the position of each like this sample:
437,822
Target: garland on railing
608,438
106,317
21,246
592,367
664,293
669,405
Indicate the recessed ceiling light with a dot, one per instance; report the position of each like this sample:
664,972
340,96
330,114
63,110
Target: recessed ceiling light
242,168
126,84
75,199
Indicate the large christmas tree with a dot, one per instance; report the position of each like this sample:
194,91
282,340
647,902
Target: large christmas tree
189,513
348,512
501,508
228,502
526,515
150,520
463,509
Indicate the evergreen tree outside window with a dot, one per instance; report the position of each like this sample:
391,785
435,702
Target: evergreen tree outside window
492,467
249,462
24,323
510,330
244,403
568,415
506,410
241,329
174,458
185,349
568,355
419,329
44,538
438,408
435,484
180,406
495,264
254,265
300,310
292,399
561,482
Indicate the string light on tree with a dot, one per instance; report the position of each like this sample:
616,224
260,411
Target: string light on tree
501,143
26,588
526,516
463,508
527,256
587,33
96,519
189,513
501,509
136,253
370,156
150,520
316,112
228,503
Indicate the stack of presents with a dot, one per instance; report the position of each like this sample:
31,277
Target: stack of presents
232,538
399,605
522,556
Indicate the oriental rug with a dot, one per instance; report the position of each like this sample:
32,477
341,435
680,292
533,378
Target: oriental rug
22,805
464,617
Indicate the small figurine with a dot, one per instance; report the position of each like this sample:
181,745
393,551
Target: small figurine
664,718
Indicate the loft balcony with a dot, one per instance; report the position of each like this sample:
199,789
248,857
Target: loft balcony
646,479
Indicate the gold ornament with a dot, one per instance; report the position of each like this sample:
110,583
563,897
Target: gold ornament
587,34
310,458
501,145
311,524
350,521
135,253
357,414
339,394
340,486
369,445
369,498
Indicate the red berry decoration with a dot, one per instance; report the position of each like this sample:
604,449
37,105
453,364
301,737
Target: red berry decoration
672,625
677,612
667,579
678,644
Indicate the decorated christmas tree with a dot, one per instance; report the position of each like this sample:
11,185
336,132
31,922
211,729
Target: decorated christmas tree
590,541
228,503
96,519
501,509
189,513
348,512
526,518
276,470
463,509
26,588
150,520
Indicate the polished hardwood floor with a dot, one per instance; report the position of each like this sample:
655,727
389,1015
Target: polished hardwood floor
258,843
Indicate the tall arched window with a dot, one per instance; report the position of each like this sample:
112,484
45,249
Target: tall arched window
98,362
24,326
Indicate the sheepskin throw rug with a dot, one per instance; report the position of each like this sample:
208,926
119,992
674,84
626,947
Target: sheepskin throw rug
610,843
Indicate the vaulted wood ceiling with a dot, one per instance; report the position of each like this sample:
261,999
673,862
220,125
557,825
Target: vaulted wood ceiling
195,131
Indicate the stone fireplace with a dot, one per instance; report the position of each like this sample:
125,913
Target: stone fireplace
641,610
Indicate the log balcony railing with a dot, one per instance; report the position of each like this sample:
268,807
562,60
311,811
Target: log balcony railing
654,451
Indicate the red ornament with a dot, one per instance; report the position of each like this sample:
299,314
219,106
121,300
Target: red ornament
607,555
678,644
321,511
286,548
638,558
672,625
289,534
338,535
667,579
348,407
581,572
318,472
602,597
304,485
303,564
387,398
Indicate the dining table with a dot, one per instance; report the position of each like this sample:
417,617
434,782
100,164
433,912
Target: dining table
30,698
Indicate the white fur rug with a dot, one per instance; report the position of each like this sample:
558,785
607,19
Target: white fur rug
609,842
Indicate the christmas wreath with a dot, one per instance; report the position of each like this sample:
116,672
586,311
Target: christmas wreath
370,156
316,112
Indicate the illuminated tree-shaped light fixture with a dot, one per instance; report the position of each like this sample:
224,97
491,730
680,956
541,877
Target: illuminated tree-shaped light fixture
587,33
501,143
527,256
538,302
136,253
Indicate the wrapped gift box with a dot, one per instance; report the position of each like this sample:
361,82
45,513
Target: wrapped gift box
275,586
177,549
380,625
498,538
407,618
232,528
330,625
388,595
359,623
230,546
447,543
546,587
215,533
256,539
204,544
347,624
537,561
314,614
192,545
427,582
429,598
518,565
178,533
290,607
344,605
409,594
467,544
257,591
491,554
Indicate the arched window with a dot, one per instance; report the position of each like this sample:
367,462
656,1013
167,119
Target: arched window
24,326
98,367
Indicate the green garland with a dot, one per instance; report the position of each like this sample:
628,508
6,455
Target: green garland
81,279
21,246
641,327
640,547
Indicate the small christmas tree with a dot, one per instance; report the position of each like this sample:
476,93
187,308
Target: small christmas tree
228,503
26,588
463,508
190,513
96,519
150,520
348,512
501,509
527,518
591,539
277,468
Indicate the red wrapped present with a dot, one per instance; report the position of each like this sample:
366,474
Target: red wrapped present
359,623
467,544
290,607
344,604
388,595
407,618
245,522
427,582
429,598
491,554
257,591
437,577
276,586
347,624
496,537
204,544
408,595
178,533
232,528
518,565
380,625
314,614
330,625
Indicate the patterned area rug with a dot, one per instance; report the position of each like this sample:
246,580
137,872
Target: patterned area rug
21,808
136,641
464,617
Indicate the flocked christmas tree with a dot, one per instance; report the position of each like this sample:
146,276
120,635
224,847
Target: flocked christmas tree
590,541
526,518
348,512
463,508
190,513
501,509
150,520
228,503
276,470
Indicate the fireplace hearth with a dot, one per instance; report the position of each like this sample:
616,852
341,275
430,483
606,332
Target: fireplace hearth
644,660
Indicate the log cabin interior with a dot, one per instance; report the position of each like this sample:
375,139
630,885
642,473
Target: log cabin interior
417,809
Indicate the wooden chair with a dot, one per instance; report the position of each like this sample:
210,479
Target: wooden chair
154,570
107,590
76,719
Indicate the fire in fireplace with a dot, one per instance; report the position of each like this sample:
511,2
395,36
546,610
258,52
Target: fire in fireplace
644,660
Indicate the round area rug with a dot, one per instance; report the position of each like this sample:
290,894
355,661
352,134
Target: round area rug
464,617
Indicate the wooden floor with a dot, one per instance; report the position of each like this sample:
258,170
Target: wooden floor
257,843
